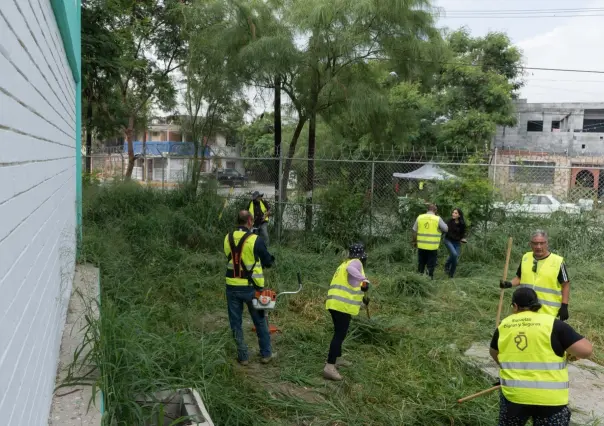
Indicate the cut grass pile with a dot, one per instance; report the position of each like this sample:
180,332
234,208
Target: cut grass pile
164,325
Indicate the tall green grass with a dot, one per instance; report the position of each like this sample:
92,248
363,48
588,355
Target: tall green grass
163,317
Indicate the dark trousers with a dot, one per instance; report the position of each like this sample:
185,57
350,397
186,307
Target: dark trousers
518,415
341,322
426,258
237,298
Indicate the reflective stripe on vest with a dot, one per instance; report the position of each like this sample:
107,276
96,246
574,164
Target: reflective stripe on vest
342,296
544,281
533,365
428,235
262,209
530,371
525,384
248,261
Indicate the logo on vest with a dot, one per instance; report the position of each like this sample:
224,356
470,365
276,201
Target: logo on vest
521,341
426,225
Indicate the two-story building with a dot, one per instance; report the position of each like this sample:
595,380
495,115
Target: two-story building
555,147
166,153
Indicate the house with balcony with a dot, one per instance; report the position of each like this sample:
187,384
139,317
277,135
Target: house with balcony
163,154
556,148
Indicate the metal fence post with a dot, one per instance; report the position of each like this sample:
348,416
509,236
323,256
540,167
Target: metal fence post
281,193
495,168
371,199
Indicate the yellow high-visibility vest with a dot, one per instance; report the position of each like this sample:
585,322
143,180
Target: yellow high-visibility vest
342,296
428,234
250,272
544,281
262,209
530,371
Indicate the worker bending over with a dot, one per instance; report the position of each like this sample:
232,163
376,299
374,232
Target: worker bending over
247,256
530,347
344,301
427,231
545,273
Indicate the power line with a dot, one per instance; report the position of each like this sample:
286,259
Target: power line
524,68
518,17
563,81
522,11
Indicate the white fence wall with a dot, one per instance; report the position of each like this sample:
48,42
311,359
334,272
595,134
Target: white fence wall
37,206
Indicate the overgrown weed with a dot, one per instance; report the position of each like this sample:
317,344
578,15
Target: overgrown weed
163,316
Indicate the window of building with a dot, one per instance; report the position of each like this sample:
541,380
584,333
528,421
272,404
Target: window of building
555,125
230,164
593,125
533,172
534,126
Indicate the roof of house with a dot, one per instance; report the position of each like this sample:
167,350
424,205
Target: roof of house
169,147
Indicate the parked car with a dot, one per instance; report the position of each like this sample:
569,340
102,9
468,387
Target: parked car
231,177
534,204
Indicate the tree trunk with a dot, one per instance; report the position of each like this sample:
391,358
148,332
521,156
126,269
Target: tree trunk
310,175
290,155
89,137
288,163
277,153
130,140
144,170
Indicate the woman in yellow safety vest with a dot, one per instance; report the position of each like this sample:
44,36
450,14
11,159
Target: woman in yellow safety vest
530,347
344,301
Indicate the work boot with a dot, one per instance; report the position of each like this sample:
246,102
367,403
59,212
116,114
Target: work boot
331,373
266,360
245,362
341,362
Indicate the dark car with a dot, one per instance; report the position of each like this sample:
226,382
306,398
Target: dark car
231,177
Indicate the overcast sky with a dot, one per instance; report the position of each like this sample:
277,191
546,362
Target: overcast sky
546,42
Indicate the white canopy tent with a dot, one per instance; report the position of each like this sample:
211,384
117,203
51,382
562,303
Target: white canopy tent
428,171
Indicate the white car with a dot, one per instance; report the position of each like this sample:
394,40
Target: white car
536,204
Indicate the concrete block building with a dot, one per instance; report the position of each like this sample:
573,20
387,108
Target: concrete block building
556,147
40,194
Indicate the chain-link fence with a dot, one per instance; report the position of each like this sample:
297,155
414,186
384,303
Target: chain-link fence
374,195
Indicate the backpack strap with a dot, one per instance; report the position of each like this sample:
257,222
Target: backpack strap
239,270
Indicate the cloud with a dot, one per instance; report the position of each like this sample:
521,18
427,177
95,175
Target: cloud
574,44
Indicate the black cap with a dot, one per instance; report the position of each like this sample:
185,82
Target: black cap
357,251
257,194
525,297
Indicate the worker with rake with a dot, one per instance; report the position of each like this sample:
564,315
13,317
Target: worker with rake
344,301
247,256
529,346
545,273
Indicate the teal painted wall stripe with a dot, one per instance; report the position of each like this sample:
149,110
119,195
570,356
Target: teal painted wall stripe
68,16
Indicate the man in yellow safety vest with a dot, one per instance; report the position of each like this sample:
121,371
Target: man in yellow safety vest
545,273
344,301
260,210
529,348
247,256
427,231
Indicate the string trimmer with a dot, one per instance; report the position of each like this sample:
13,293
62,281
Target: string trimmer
266,300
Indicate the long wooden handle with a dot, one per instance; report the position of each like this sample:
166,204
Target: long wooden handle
505,276
476,395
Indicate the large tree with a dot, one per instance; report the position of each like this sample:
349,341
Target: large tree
100,75
342,37
210,70
151,47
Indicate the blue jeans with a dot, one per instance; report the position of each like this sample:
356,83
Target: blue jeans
236,298
454,248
